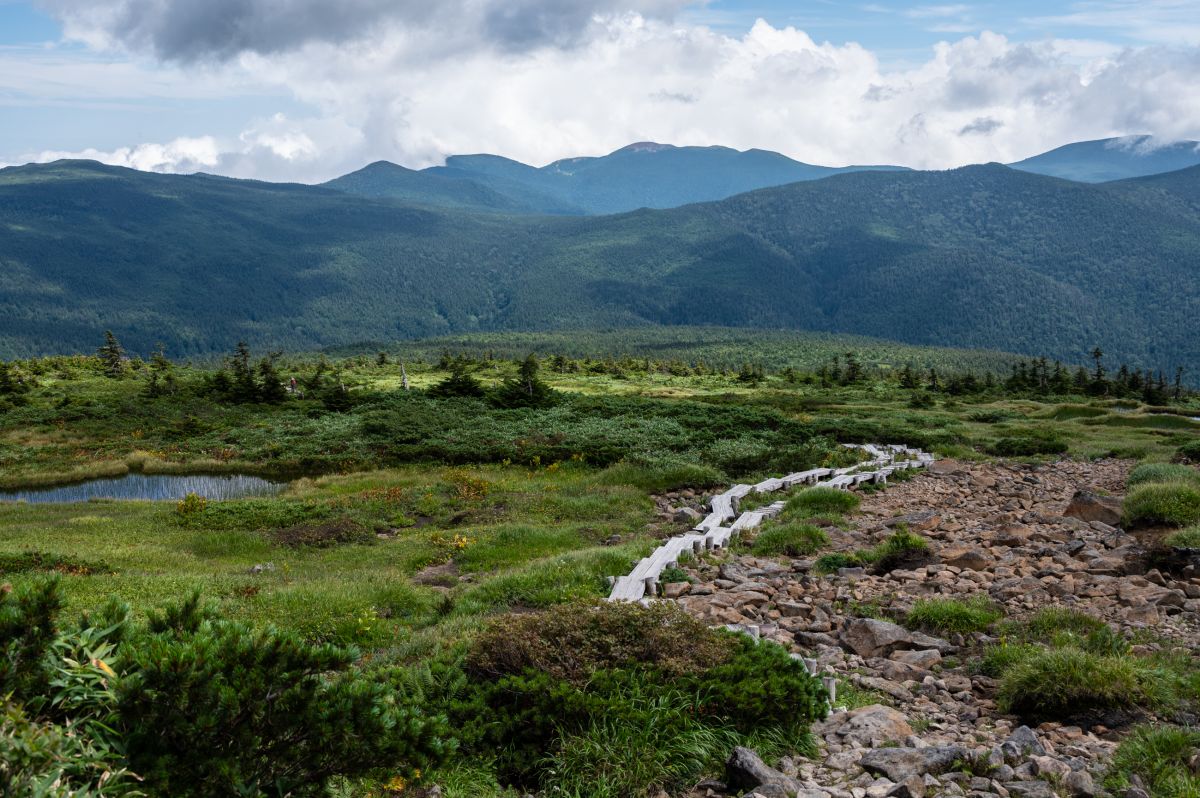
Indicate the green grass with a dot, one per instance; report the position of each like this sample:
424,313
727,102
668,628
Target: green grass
791,539
952,615
1163,472
821,502
1057,683
1162,504
1159,756
1185,538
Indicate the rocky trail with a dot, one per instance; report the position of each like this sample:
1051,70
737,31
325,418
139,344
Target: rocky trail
1025,537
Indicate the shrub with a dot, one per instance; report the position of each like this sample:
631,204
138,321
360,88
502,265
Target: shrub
1159,756
191,504
572,641
1190,452
997,659
45,562
1064,682
664,747
196,705
324,534
1049,622
537,681
1185,538
1028,445
43,759
1163,472
659,475
212,707
951,615
821,501
1166,504
900,549
794,540
832,563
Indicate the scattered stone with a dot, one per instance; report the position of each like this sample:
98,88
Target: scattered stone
866,726
746,770
901,764
869,637
1087,506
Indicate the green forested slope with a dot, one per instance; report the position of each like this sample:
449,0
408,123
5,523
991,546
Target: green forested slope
985,257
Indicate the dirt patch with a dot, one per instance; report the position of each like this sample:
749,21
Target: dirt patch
41,562
323,534
443,575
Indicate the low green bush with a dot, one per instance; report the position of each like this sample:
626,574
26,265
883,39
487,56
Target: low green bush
1057,683
534,683
952,615
899,549
194,704
1162,504
44,562
832,563
1049,622
791,539
1163,472
664,746
659,475
1185,538
1159,756
821,501
997,659
1028,445
1189,452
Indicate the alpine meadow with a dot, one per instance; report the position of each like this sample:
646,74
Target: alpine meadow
599,399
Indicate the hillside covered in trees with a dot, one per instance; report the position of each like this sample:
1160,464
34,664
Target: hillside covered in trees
984,257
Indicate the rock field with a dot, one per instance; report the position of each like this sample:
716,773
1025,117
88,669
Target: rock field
1024,536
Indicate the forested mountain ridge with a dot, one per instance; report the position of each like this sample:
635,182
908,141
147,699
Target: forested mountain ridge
1113,159
983,256
642,175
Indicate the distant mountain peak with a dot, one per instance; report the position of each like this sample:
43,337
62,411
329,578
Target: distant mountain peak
646,146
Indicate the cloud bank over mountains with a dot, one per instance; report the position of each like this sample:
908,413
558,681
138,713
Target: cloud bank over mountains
538,80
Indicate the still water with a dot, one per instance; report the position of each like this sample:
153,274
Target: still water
150,486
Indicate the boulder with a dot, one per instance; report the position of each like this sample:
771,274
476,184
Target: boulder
1087,506
868,637
1021,744
969,558
1030,789
674,590
687,515
745,770
901,764
866,725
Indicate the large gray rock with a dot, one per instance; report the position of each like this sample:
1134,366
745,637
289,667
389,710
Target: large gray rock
901,764
1088,506
1022,744
964,557
868,637
869,725
1030,789
745,770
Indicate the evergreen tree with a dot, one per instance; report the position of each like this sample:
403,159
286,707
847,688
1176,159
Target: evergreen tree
162,374
854,371
244,387
270,384
459,383
526,389
111,355
381,359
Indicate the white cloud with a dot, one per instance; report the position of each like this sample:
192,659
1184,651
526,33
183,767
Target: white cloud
635,78
180,155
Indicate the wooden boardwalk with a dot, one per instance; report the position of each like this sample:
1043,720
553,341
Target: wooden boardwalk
724,523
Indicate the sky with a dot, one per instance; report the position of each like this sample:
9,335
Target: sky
305,90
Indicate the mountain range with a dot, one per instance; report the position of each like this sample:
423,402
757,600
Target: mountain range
984,256
650,175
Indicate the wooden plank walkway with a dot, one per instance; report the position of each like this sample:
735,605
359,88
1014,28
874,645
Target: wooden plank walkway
715,531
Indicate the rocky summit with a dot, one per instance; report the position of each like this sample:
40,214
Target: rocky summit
915,716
